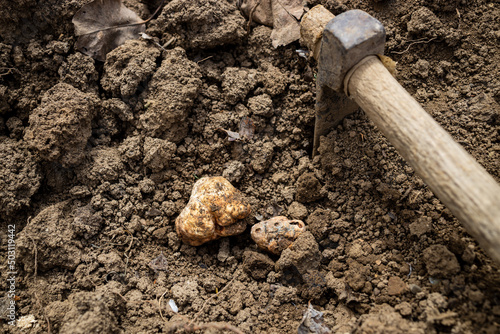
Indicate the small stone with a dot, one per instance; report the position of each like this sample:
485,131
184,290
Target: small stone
415,289
395,286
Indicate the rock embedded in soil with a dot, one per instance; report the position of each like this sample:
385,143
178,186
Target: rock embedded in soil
215,209
276,234
440,262
61,125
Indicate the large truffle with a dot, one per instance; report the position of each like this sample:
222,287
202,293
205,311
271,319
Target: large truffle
277,234
216,209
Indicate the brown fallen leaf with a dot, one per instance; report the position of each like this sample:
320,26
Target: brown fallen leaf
283,15
247,128
103,25
259,11
286,21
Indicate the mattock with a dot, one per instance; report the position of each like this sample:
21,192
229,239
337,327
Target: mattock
346,48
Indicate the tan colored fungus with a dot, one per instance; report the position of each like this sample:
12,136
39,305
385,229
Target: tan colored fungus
277,234
215,210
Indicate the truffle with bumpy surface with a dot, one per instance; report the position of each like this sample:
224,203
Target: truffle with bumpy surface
216,209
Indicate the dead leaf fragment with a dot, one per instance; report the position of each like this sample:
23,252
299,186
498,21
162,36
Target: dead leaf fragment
247,128
159,263
246,131
103,25
283,15
286,21
259,11
312,322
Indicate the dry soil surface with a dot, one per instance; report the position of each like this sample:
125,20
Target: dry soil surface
98,159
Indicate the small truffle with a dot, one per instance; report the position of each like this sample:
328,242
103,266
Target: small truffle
216,209
277,234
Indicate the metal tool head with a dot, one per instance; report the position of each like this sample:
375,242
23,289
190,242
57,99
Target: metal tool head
348,38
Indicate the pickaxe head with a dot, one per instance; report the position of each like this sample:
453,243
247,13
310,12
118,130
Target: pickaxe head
342,43
348,38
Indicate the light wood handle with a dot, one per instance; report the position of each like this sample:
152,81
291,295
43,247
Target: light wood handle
454,176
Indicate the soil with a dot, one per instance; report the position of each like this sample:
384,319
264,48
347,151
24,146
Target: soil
98,159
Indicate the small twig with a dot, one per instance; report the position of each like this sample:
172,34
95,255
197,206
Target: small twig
418,41
125,252
128,24
199,61
159,305
170,41
250,20
9,70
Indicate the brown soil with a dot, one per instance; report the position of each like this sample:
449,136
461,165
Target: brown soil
97,160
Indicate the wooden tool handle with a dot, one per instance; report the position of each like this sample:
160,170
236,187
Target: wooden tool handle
452,174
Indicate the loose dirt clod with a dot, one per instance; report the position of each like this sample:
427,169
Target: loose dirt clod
216,209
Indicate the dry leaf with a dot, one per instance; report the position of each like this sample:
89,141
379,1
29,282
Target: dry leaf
247,128
312,322
159,263
246,132
283,15
259,11
103,25
231,135
286,21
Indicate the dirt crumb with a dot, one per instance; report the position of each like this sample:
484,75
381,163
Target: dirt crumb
52,233
257,265
308,188
384,319
128,66
19,176
203,23
60,127
237,83
302,255
440,262
170,96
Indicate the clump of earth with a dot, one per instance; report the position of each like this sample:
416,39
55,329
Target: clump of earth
98,160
